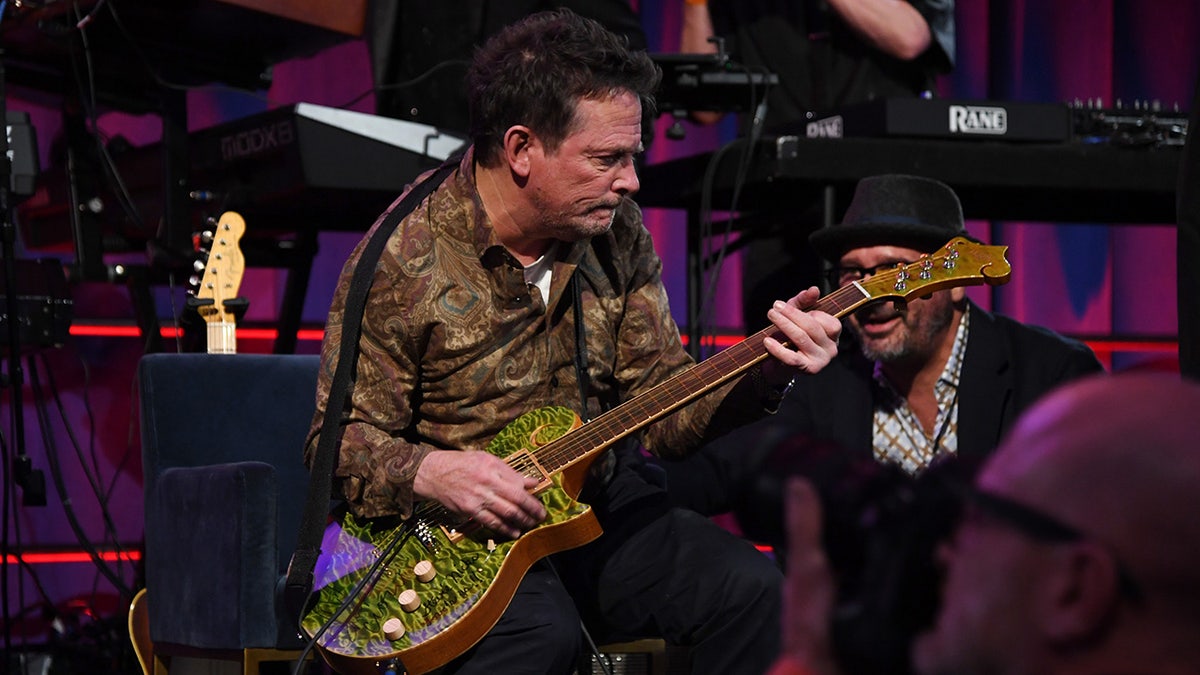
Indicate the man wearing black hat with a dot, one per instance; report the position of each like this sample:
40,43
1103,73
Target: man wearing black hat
939,376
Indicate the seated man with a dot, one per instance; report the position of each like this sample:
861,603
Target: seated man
1076,553
941,376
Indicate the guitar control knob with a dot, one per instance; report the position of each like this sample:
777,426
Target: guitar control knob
409,600
424,571
393,629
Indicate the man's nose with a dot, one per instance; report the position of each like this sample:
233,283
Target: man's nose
627,182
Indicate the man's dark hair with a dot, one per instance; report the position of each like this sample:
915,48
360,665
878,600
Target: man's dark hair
535,71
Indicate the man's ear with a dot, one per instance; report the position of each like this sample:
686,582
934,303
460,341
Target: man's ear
1084,594
958,294
518,143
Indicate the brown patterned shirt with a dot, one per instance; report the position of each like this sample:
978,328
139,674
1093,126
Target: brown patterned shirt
455,344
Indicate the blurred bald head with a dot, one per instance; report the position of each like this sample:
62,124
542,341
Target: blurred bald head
1117,460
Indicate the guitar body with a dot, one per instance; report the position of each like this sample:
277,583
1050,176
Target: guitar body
376,606
139,632
475,572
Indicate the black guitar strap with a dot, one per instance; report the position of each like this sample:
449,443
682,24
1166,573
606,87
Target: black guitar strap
581,357
299,581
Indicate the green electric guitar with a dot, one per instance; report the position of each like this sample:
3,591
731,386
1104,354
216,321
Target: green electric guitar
414,594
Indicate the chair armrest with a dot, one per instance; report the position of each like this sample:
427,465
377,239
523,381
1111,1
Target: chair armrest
211,560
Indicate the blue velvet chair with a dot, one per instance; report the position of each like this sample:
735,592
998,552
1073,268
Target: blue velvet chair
225,485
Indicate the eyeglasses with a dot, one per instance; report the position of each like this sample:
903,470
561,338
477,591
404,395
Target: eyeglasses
841,275
1035,524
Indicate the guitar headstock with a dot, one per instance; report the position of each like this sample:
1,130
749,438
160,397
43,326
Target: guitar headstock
223,268
961,262
215,293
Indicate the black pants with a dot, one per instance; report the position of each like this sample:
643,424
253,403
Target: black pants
656,571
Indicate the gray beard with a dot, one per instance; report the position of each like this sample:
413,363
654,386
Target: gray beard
919,343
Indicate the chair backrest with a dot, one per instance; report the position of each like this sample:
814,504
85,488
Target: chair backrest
205,409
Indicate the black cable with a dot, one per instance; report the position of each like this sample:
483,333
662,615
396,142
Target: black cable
371,575
407,83
137,49
15,382
758,118
166,84
131,431
705,223
587,635
111,171
712,262
86,84
93,478
16,551
5,513
60,487
21,563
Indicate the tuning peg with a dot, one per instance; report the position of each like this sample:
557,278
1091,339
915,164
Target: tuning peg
198,265
194,282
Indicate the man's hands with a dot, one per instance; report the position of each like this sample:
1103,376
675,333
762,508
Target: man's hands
480,486
813,335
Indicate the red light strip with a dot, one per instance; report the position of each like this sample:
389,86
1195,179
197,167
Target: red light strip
52,557
101,330
1112,346
1099,346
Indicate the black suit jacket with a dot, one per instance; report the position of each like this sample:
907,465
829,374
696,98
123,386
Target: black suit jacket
1007,366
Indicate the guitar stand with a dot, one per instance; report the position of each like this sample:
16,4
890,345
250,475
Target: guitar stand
237,306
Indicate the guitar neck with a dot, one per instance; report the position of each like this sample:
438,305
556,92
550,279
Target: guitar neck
680,390
959,263
222,337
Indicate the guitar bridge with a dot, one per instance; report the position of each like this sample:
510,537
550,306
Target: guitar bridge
424,535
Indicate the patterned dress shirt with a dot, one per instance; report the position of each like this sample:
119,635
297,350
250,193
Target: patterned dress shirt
455,345
898,435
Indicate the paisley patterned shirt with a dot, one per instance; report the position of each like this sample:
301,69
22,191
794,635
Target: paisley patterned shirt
455,344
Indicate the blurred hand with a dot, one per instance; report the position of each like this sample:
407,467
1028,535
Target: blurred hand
809,592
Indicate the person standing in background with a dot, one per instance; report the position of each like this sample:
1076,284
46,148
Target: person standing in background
827,54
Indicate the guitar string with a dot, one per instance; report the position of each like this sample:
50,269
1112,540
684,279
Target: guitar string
572,446
569,446
839,302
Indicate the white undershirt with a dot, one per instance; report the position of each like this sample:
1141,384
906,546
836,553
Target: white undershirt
537,273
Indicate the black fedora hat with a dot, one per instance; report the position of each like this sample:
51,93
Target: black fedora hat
894,210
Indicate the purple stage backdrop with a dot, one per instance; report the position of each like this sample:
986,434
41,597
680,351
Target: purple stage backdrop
1090,280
